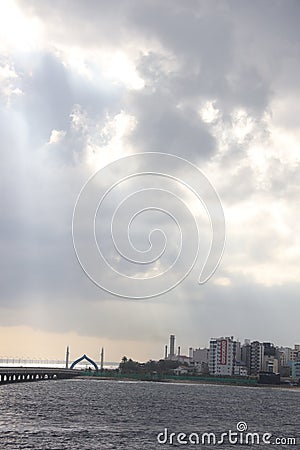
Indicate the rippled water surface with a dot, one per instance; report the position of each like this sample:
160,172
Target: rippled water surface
92,414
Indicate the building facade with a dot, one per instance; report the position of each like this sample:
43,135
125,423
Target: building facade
222,356
257,358
296,370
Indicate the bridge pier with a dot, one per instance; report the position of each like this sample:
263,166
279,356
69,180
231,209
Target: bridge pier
9,375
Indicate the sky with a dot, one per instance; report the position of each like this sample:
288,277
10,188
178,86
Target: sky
87,84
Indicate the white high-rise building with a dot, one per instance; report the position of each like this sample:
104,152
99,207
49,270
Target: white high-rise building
222,355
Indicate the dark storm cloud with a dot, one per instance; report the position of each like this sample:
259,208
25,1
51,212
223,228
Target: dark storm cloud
50,92
48,100
163,127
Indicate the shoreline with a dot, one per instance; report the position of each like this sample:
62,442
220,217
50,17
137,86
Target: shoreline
188,381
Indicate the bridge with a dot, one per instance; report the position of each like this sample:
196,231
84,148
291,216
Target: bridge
23,374
28,374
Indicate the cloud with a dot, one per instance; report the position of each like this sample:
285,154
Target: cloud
83,84
56,136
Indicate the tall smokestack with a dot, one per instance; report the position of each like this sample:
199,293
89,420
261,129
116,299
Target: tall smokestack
191,352
178,353
166,351
172,345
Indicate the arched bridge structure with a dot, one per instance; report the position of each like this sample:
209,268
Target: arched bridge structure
82,358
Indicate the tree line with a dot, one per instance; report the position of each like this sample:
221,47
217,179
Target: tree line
161,367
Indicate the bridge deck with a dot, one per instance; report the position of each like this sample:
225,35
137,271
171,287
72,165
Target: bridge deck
26,374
